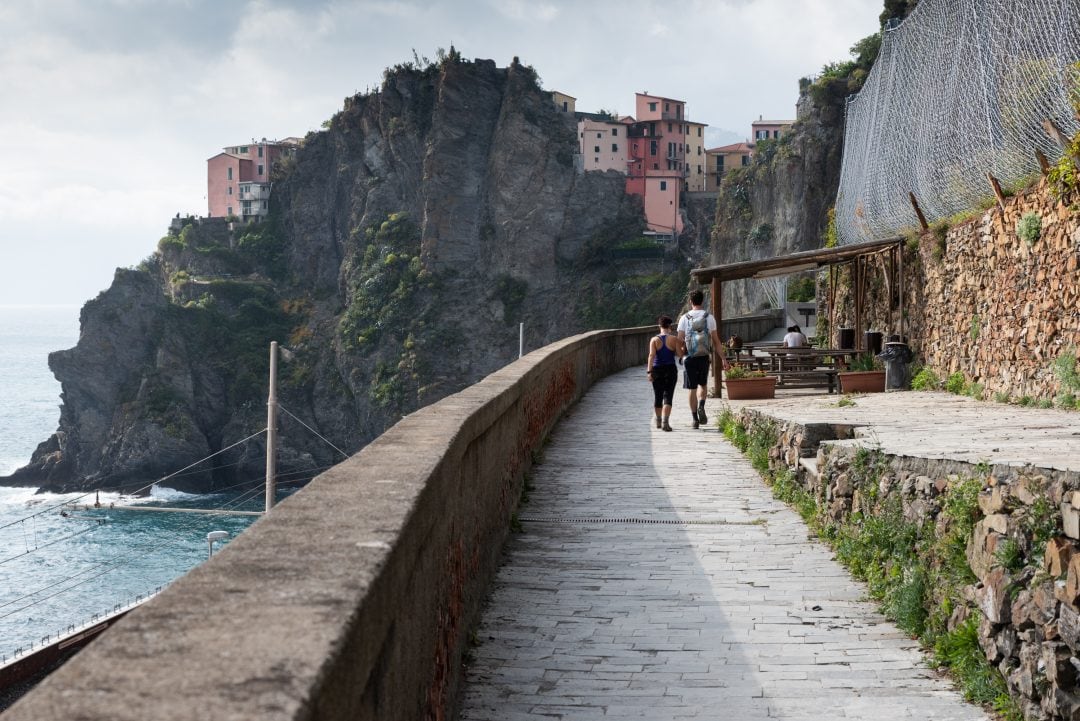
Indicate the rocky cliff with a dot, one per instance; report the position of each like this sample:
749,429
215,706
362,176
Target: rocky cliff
406,242
779,204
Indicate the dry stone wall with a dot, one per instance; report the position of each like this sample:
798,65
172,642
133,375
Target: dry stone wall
982,302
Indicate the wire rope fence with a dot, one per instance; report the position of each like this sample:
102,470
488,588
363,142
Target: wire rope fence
960,89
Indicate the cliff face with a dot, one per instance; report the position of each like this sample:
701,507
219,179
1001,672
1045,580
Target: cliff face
779,204
405,244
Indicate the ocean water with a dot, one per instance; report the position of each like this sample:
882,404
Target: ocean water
62,564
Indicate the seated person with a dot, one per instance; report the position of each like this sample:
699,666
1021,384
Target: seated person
795,338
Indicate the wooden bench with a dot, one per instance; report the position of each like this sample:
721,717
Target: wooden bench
810,378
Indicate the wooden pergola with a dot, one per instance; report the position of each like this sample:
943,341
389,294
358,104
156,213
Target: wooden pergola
857,254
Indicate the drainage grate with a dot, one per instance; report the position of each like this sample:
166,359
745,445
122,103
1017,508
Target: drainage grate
659,521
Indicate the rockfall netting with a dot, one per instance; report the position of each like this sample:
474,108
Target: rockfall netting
960,89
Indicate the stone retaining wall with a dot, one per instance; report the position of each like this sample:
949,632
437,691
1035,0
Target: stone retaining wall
985,303
354,598
1027,600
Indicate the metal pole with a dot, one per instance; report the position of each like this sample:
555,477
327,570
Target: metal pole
521,339
271,431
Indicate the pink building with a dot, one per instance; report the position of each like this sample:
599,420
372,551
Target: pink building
656,160
238,179
770,129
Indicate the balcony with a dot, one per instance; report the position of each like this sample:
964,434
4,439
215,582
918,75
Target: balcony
257,192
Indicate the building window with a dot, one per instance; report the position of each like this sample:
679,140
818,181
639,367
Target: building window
599,135
229,212
243,149
614,132
260,170
260,151
656,166
746,160
652,107
699,150
667,107
699,170
663,185
230,174
669,127
614,147
229,191
699,131
566,106
596,149
652,147
652,128
776,133
264,205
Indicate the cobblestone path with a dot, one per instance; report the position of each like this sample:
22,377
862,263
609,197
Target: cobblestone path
656,578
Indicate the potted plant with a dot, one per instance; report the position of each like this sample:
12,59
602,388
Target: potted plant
863,375
747,385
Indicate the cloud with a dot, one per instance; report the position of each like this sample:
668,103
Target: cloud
110,108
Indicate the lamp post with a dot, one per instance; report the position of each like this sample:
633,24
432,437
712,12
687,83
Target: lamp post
214,536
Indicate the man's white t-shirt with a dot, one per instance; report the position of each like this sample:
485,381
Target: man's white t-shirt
692,315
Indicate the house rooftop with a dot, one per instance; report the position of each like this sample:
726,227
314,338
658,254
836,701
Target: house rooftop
733,148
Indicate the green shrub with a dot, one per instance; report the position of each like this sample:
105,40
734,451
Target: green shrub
955,383
976,391
1026,401
1029,228
925,380
1001,397
973,327
1066,372
1066,401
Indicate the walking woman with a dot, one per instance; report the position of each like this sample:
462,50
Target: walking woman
663,350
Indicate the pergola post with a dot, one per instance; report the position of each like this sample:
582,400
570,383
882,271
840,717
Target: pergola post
717,302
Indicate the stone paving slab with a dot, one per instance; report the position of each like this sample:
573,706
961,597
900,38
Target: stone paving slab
706,600
937,425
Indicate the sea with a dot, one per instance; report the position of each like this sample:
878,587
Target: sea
68,560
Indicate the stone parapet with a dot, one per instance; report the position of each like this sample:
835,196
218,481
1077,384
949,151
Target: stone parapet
354,598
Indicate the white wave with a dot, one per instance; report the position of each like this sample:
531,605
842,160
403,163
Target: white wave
161,494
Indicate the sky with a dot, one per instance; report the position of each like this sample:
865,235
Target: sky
109,109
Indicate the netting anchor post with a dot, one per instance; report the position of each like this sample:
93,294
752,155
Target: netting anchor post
1044,164
997,191
918,211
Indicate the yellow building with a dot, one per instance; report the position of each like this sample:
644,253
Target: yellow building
722,159
694,134
565,103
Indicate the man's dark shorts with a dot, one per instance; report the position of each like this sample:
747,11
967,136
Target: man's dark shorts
697,372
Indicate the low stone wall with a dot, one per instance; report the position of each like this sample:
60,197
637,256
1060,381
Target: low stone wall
354,598
750,327
1021,581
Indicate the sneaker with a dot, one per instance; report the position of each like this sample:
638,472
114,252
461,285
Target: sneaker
702,418
658,421
667,426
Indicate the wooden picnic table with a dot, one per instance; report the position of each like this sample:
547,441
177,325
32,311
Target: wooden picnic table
807,367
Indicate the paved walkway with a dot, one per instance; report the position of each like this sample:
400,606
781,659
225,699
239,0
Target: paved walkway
656,578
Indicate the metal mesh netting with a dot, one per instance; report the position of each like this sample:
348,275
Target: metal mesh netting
960,89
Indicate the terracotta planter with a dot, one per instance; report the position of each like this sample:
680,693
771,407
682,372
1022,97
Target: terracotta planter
862,382
750,389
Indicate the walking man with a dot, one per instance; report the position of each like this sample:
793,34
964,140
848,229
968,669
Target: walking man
697,333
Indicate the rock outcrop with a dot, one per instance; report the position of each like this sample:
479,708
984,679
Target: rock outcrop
406,242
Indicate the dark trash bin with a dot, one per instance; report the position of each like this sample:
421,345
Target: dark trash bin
896,358
846,338
873,341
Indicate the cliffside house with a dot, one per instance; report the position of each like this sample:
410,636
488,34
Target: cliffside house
601,142
238,179
695,157
719,160
565,103
770,129
656,160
